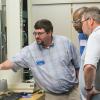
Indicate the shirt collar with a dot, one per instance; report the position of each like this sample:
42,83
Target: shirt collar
98,27
51,45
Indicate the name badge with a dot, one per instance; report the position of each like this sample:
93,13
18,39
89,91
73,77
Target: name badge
40,62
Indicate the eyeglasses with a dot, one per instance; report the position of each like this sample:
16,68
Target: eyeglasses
76,21
38,33
85,20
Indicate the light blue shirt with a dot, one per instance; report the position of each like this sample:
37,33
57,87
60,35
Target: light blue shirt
53,68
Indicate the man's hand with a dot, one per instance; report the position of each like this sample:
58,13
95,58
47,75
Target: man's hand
6,65
91,93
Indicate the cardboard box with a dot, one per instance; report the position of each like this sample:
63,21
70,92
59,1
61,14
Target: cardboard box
22,87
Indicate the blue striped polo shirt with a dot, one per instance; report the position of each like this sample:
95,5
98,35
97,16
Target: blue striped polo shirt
53,68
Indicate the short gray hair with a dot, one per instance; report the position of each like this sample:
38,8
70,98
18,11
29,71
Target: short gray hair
92,12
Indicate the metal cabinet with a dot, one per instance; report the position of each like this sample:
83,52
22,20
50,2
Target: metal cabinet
3,34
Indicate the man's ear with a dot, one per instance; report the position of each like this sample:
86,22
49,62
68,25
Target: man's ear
49,32
91,21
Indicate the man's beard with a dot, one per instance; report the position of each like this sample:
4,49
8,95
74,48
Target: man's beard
40,43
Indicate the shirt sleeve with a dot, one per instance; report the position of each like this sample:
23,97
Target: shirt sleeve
20,59
75,56
93,50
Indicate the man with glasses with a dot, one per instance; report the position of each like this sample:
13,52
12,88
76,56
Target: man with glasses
53,60
91,62
77,24
78,27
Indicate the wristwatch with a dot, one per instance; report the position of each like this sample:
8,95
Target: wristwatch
89,89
